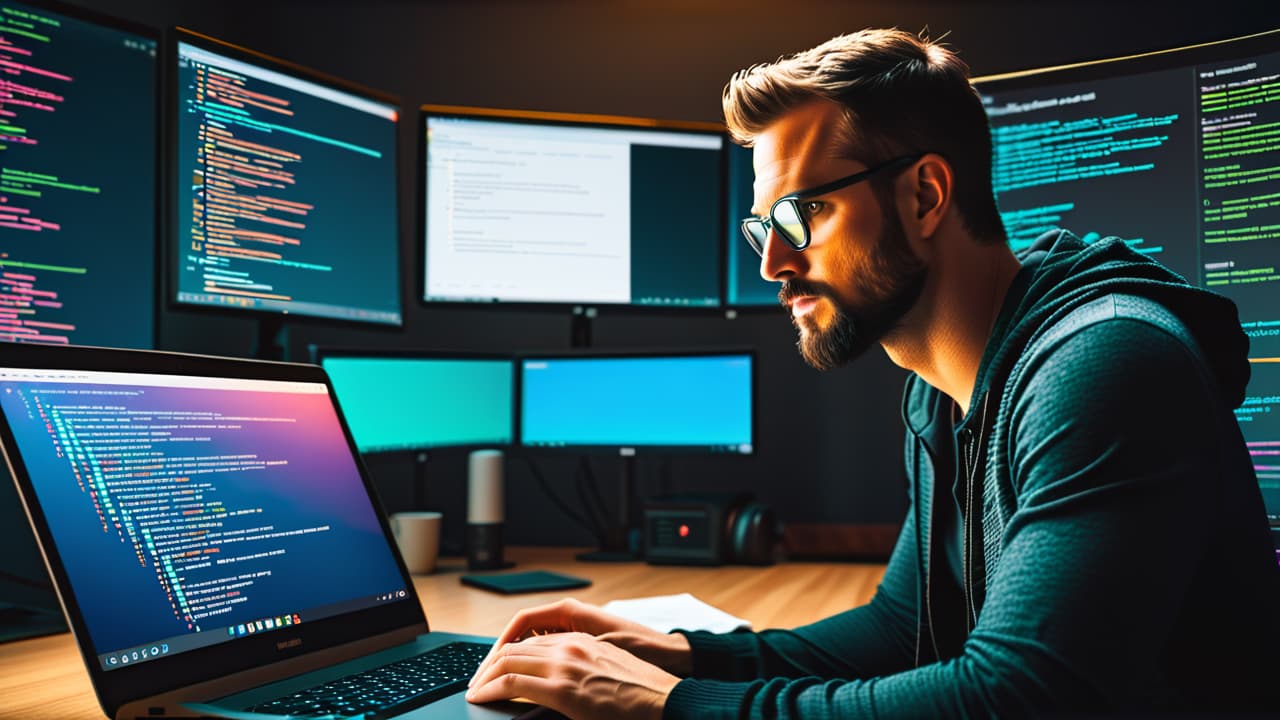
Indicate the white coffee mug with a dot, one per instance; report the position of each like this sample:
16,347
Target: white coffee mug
418,535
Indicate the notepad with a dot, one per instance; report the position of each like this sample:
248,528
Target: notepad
665,613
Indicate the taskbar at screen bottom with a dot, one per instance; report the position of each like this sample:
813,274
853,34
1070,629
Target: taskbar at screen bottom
650,302
635,449
216,636
292,307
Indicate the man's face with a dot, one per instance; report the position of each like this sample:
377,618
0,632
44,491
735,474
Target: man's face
858,277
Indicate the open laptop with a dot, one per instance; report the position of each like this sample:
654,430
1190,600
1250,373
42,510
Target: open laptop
216,542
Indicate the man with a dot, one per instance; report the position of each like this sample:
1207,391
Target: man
1085,533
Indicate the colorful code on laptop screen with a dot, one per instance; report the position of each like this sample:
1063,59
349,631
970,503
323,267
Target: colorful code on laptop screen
190,511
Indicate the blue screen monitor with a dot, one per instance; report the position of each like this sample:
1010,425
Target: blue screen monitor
686,402
285,192
743,286
548,208
403,400
78,185
1177,153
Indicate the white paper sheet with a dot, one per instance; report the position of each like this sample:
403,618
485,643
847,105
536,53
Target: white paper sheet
665,613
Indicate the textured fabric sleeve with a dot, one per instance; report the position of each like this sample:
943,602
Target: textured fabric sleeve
875,639
1112,462
866,641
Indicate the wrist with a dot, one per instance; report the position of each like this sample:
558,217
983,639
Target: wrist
679,655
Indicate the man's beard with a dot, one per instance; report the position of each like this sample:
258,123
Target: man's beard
890,286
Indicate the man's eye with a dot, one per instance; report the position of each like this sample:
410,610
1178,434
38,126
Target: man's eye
813,207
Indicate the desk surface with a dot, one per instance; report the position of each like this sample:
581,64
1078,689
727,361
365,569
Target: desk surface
45,677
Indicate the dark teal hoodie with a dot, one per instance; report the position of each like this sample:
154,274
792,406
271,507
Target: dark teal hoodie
1111,553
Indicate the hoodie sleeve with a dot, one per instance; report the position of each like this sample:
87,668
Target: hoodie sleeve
1094,562
874,639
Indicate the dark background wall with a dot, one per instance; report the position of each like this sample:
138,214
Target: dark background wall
830,444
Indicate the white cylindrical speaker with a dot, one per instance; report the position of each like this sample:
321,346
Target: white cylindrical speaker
485,509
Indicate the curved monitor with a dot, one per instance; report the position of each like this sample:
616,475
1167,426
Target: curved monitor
78,117
628,403
548,208
285,192
403,400
1177,152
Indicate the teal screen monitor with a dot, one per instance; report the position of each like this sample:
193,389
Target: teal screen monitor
634,403
400,401
743,285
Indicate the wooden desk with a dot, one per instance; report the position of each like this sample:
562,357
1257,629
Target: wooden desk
45,677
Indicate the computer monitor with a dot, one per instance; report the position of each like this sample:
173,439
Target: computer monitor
549,208
78,187
635,403
743,286
284,193
1177,153
404,400
629,403
78,224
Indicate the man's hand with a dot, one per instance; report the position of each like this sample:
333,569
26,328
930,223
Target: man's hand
576,674
669,652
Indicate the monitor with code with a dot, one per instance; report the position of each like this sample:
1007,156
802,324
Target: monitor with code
78,184
1176,152
546,208
285,192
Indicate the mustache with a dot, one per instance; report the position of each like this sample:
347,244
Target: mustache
797,287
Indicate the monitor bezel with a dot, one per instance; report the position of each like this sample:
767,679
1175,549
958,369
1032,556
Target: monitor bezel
318,354
559,119
125,684
637,450
172,232
1261,43
156,35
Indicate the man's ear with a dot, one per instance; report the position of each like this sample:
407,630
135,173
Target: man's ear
932,185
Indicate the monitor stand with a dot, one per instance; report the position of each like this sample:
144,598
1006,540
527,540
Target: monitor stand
580,326
617,545
420,461
272,342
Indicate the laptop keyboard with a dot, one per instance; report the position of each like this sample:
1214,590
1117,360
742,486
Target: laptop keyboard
420,679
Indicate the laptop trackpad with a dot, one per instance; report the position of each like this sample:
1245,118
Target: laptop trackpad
456,706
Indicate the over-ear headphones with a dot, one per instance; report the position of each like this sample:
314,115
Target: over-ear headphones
751,531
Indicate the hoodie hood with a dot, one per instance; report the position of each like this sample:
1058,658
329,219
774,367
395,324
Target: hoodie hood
1066,273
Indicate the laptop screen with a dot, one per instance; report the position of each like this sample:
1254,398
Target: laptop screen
192,511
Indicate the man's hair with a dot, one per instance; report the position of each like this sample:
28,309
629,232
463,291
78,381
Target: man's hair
900,94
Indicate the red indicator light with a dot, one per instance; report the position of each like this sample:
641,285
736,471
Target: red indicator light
684,531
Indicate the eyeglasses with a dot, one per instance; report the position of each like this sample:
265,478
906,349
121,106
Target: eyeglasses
787,218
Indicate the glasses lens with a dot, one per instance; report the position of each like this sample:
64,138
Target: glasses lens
786,220
756,234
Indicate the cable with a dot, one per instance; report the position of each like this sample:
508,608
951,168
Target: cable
546,488
26,582
589,494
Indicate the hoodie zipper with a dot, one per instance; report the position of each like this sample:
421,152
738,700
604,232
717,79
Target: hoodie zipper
971,457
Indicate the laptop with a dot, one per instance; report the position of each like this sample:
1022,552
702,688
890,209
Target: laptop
216,543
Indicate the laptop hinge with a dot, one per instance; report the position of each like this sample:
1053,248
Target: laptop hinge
169,704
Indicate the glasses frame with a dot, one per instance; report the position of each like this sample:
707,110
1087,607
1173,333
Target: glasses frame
793,199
